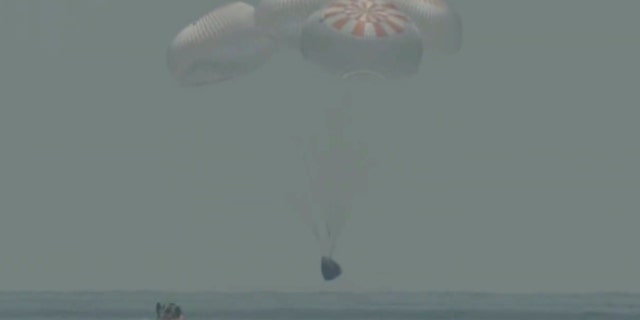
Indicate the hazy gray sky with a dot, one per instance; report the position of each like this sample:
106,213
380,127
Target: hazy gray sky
512,166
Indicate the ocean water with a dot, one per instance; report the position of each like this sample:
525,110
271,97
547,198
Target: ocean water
326,305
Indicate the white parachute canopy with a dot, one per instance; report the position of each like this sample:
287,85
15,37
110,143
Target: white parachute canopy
439,23
221,45
337,171
283,19
349,38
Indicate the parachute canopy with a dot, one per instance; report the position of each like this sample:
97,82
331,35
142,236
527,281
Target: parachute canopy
330,268
283,19
350,38
219,46
439,23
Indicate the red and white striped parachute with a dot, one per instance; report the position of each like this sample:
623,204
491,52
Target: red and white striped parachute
221,45
354,37
439,24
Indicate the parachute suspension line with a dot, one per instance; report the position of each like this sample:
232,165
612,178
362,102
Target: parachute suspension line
312,223
331,240
316,198
338,119
307,168
302,203
330,186
342,119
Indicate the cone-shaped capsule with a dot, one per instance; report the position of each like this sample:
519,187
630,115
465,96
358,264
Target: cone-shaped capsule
330,268
221,45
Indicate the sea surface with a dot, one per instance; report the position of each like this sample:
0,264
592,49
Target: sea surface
316,306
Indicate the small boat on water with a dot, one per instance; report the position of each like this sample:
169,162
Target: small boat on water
168,311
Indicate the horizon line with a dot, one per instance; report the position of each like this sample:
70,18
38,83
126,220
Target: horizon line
312,291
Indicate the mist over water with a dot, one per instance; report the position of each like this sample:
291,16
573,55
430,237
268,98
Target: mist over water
508,167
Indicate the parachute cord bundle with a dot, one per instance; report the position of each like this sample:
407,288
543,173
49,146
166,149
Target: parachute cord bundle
334,174
354,40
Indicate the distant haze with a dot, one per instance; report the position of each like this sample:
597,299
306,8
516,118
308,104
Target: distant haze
509,167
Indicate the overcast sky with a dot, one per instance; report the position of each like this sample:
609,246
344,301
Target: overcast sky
511,167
